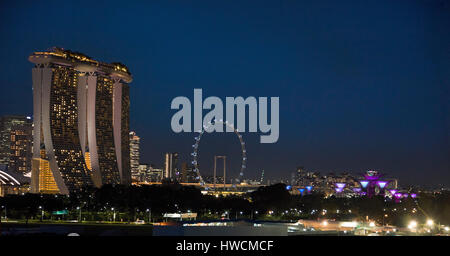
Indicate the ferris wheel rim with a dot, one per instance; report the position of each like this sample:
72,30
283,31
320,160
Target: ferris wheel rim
196,146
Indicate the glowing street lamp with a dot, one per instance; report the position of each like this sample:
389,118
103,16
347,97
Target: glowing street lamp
42,212
309,188
413,195
150,215
79,208
430,223
412,224
393,191
114,214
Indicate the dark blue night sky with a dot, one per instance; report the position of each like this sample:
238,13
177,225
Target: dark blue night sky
362,84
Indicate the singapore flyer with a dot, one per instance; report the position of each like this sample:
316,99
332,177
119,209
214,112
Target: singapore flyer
195,153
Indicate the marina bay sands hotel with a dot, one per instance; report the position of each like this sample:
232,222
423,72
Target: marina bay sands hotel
81,122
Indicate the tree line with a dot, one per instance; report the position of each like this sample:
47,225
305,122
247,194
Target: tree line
128,203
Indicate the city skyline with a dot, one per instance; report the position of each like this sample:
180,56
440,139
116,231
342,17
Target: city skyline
373,98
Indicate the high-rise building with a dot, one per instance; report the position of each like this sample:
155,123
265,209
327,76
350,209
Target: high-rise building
6,124
81,121
184,172
20,147
170,166
188,175
134,156
154,175
148,173
141,176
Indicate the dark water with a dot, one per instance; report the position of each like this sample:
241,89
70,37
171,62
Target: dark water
36,229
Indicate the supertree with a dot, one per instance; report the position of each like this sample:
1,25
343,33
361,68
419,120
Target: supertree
371,181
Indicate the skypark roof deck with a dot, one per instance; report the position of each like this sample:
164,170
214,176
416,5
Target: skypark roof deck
81,63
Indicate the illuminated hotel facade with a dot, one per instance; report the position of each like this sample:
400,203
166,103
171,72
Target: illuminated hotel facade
81,122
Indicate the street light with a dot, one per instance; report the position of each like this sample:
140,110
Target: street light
42,213
79,208
412,224
114,214
149,215
430,223
6,217
384,216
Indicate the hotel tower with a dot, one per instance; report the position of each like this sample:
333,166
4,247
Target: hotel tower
81,122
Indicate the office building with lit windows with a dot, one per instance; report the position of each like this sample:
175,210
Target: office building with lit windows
170,166
19,147
81,122
134,156
21,139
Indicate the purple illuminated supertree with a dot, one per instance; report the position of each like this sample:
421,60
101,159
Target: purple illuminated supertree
358,191
339,187
301,190
393,191
397,197
371,181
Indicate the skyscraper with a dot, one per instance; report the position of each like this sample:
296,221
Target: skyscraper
187,173
81,121
170,166
184,172
6,124
21,137
134,156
